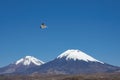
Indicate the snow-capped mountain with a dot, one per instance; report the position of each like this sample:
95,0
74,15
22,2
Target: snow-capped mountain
75,62
77,55
26,61
21,65
69,62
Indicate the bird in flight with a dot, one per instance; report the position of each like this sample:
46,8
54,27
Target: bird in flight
43,26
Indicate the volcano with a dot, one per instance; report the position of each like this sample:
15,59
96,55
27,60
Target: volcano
21,65
75,62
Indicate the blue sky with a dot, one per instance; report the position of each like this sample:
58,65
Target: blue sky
92,26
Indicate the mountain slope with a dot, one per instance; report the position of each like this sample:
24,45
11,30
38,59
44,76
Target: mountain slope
75,62
21,65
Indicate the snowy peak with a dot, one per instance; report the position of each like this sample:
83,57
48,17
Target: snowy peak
26,61
77,55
